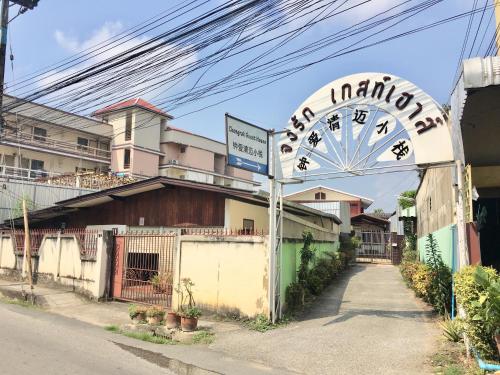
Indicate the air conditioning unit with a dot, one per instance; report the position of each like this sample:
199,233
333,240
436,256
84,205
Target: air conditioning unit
173,162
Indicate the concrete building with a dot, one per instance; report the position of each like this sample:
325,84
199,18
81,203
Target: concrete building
146,145
33,145
473,125
342,204
131,138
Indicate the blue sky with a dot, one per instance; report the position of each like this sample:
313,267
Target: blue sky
57,28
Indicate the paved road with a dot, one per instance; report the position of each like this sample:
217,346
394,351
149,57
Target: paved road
368,322
34,341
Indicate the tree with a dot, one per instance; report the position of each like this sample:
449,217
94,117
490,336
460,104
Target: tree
407,199
378,211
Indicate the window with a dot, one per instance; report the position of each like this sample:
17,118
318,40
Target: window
36,164
83,143
37,168
39,134
126,159
183,149
320,196
248,226
128,127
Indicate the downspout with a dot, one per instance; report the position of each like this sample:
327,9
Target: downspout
453,249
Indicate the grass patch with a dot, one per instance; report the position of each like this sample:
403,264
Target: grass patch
149,337
143,336
18,302
203,337
451,360
112,328
261,324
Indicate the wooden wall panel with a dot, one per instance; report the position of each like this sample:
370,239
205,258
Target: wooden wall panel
162,207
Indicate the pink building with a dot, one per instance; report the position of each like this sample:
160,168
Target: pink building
146,145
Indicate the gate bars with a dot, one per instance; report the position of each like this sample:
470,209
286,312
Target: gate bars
148,267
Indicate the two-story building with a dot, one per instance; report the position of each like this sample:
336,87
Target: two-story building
40,141
146,145
131,138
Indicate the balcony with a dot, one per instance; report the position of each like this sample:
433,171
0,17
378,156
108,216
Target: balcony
41,143
25,173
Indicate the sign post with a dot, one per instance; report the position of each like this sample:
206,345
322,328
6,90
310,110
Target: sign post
247,146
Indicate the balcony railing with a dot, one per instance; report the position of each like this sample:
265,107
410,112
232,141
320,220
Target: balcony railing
25,173
54,144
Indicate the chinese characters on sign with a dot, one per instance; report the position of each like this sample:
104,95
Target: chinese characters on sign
247,146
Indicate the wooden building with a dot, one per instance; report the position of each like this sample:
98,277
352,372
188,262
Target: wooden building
167,202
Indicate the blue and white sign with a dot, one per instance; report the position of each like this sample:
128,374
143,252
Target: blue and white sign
247,146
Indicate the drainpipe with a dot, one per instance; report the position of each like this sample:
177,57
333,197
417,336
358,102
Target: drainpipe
453,249
485,365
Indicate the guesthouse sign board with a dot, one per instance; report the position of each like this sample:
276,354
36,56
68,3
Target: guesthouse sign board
367,123
247,146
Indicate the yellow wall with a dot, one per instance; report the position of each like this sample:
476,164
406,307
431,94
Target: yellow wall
237,211
435,201
230,274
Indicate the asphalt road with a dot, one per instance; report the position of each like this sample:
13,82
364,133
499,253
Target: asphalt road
35,342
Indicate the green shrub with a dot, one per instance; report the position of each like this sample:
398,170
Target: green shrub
314,284
408,269
421,281
294,296
472,290
324,270
306,256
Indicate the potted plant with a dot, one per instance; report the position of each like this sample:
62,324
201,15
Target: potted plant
162,283
155,314
137,313
172,320
189,319
189,312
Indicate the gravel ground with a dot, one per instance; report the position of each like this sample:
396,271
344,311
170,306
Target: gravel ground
367,322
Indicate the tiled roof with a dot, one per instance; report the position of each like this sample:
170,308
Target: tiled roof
137,102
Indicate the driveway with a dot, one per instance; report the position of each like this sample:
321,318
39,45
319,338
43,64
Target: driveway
367,322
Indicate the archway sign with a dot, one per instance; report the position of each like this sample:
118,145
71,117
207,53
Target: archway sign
367,123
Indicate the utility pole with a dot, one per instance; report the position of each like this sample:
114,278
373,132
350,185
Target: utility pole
27,247
4,21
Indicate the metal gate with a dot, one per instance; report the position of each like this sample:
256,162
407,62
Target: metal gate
143,267
377,247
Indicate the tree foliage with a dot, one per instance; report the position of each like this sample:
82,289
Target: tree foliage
407,199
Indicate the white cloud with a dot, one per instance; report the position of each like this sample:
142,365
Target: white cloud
102,50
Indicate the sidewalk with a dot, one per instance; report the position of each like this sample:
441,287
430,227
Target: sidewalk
63,301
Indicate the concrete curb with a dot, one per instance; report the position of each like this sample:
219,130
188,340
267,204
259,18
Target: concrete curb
14,291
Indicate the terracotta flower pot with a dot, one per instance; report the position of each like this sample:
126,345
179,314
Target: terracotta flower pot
140,317
188,324
172,320
155,319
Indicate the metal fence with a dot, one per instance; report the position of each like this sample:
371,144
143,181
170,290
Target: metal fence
144,267
87,240
376,246
222,232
